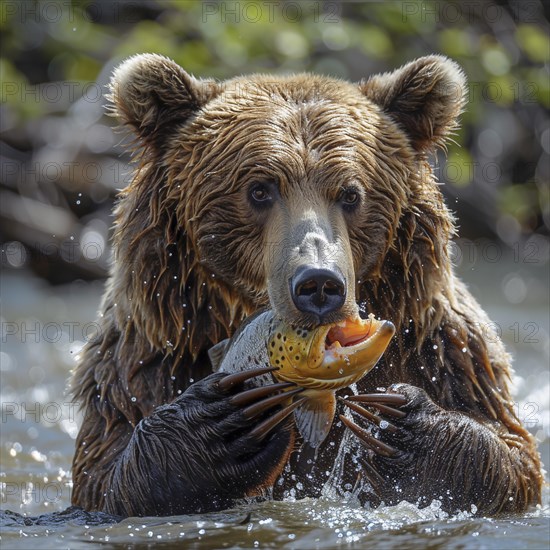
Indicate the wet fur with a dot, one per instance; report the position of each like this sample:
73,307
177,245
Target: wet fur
452,458
191,261
187,442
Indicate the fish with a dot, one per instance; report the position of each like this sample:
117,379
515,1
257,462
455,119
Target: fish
321,360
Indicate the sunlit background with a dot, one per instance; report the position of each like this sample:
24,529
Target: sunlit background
62,165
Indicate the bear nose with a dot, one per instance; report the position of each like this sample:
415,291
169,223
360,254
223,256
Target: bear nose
319,291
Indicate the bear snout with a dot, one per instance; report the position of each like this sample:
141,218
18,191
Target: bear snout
319,291
311,279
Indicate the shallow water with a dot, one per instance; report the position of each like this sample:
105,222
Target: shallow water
43,329
307,524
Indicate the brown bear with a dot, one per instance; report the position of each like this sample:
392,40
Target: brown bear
309,195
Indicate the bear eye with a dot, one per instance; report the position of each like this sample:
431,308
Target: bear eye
260,195
349,198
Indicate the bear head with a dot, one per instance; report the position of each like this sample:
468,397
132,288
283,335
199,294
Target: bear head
304,192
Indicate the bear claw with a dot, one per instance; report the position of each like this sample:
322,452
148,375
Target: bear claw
372,443
372,474
263,429
232,380
369,416
262,406
381,401
248,396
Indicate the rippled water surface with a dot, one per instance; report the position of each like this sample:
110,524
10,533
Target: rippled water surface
305,524
43,329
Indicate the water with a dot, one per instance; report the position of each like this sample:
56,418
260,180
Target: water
43,329
306,524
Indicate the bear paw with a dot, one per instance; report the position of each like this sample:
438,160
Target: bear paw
237,426
218,442
397,440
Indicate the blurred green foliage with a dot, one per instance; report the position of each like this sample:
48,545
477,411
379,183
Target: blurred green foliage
503,47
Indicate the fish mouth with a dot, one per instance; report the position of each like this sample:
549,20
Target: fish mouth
339,354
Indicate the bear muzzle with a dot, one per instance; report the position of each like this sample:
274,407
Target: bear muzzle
318,291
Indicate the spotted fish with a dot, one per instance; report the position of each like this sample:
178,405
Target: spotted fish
321,360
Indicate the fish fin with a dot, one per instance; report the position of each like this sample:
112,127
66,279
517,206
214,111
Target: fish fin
217,352
314,418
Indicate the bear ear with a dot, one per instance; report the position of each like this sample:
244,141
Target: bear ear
152,94
425,97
